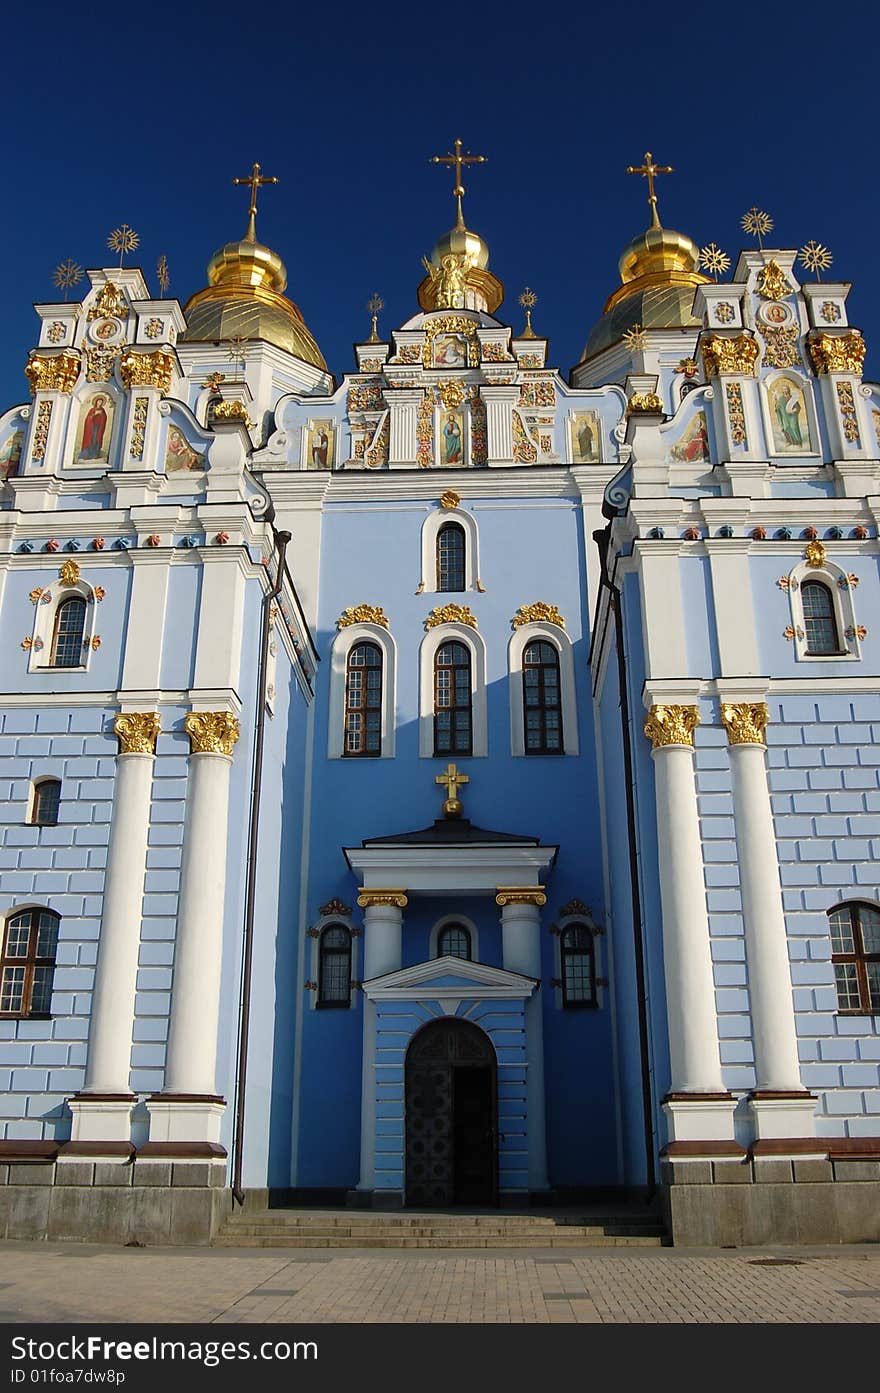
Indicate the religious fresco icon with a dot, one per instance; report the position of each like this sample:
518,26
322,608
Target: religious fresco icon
10,454
452,439
319,445
179,454
788,417
586,434
450,351
693,446
95,429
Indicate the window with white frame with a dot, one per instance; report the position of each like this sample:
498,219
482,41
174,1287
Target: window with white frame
363,701
543,712
45,803
452,692
64,622
361,714
823,620
27,963
450,552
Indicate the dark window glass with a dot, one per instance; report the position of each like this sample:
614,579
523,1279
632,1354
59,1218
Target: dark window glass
820,625
47,797
855,953
454,941
67,640
363,701
28,963
578,966
452,700
542,701
334,966
450,557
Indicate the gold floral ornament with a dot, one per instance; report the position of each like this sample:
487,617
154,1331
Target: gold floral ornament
635,339
815,554
449,499
539,612
67,275
671,725
815,257
838,352
110,304
450,614
714,260
123,239
757,224
528,299
36,595
745,722
521,894
729,355
451,394
232,411
57,373
162,274
644,403
772,283
69,573
362,614
137,732
334,907
375,306
147,370
212,732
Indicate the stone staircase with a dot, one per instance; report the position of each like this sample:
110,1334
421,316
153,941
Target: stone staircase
600,1227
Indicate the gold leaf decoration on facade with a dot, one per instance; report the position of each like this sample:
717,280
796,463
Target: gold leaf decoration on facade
100,363
450,324
41,430
849,418
368,898
723,355
635,338
138,427
815,554
362,614
68,573
736,413
36,594
365,396
137,732
771,283
449,499
838,352
334,906
231,411
147,370
644,403
450,614
780,348
757,223
212,732
377,454
123,239
540,611
110,304
745,721
575,907
425,432
55,373
714,260
521,894
451,394
671,725
524,451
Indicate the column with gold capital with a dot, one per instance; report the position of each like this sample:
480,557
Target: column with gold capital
102,1111
780,1104
52,378
188,1108
147,377
383,949
521,907
694,1054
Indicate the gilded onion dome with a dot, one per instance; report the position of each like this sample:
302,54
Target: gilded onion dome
460,254
244,300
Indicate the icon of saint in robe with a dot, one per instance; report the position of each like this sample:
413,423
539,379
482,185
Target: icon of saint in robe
91,446
451,436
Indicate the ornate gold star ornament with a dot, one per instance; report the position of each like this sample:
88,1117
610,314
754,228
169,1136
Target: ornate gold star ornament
714,260
235,352
815,257
375,306
123,239
635,338
528,300
68,274
162,275
757,224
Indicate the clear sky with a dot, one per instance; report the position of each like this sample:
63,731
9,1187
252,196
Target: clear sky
144,115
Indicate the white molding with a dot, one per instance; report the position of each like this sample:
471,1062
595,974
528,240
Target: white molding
476,645
827,574
43,630
451,870
346,639
431,527
443,922
559,639
479,981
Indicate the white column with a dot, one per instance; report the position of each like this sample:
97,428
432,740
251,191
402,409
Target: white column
403,404
521,952
368,1099
106,1116
521,927
383,930
777,1068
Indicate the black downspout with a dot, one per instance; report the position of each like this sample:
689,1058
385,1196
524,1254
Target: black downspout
281,541
601,538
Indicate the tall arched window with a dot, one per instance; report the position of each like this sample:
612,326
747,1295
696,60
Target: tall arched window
820,625
47,798
363,700
542,700
578,966
67,637
454,941
453,734
855,953
451,557
27,966
334,966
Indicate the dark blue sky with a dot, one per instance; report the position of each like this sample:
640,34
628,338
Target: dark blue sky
145,116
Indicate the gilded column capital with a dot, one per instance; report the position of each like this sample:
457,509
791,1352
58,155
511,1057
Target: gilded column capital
147,370
725,355
671,725
368,898
137,732
745,721
56,372
644,403
837,352
212,732
521,894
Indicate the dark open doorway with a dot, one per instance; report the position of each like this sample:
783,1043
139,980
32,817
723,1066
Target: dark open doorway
451,1135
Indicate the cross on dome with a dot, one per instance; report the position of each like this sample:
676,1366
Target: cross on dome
649,169
458,159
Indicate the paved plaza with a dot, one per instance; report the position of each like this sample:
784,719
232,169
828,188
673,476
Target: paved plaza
79,1282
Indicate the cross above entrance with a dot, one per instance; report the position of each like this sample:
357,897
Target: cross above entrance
452,780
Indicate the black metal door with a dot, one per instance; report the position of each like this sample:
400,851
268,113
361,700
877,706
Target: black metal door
450,1116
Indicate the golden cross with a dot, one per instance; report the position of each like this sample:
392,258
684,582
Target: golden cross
458,159
452,781
649,169
256,180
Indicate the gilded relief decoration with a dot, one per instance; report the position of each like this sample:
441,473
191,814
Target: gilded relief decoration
450,324
479,433
153,328
848,416
694,443
95,429
671,725
56,332
721,355
771,283
69,573
212,732
537,393
425,432
147,370
830,312
745,722
334,907
138,427
524,451
409,353
100,363
450,614
788,417
55,374
780,348
41,430
495,353
231,411
362,614
137,732
10,453
448,280
368,898
365,396
644,403
179,454
449,499
815,554
736,415
521,894
109,304
724,312
539,611
838,352
377,454
451,393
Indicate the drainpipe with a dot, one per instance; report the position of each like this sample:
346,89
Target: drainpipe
281,540
602,539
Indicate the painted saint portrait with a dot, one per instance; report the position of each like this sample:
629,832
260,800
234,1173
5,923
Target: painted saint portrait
179,454
10,454
95,429
586,432
788,417
450,351
319,445
693,447
452,438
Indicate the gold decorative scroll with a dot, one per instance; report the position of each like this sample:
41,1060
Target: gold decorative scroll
771,283
644,402
367,899
334,907
531,614
110,304
362,614
671,725
449,499
147,370
722,355
451,394
68,573
780,348
815,554
521,894
137,732
838,352
232,411
212,732
450,614
575,907
57,373
745,721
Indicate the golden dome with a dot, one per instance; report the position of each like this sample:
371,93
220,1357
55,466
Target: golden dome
483,291
243,299
460,241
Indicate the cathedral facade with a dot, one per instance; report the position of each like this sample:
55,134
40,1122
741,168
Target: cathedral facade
455,786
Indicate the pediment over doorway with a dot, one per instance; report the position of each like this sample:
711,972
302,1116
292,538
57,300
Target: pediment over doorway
447,979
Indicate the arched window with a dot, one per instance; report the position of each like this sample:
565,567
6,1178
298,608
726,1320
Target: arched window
334,966
363,700
67,637
855,953
578,966
542,700
452,700
27,967
451,557
454,941
820,625
47,797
